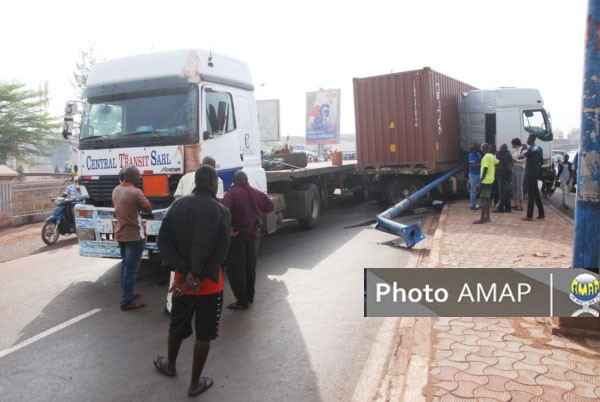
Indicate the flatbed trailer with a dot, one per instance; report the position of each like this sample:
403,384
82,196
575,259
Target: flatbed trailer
301,193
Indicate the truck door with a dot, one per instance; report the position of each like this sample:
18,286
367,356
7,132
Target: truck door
537,122
219,132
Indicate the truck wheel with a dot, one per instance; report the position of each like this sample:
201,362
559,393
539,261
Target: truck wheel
314,206
50,233
401,187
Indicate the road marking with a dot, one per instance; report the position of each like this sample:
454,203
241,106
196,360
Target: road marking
49,332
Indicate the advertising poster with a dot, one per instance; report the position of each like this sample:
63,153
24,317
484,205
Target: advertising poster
323,117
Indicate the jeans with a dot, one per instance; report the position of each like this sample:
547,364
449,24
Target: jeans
131,253
474,179
518,182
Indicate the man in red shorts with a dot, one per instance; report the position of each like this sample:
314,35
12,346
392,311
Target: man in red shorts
194,240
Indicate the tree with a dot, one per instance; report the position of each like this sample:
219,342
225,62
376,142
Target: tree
86,61
26,129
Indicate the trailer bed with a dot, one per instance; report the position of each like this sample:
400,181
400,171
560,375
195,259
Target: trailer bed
311,170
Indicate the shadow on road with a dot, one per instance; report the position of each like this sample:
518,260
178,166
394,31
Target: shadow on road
260,354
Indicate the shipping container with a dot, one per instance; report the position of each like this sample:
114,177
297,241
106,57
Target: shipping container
408,122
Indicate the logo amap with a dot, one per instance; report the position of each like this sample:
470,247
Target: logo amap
585,291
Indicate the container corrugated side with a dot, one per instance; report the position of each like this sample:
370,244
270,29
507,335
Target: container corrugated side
409,118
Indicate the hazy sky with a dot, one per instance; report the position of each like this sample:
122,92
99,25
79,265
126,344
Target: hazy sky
298,47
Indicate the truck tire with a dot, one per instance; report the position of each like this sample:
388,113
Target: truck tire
314,207
298,159
401,187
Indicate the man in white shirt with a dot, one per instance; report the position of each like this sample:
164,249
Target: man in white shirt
565,175
187,184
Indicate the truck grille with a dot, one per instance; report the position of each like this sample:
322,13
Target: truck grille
100,191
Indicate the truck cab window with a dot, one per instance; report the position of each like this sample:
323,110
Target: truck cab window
534,122
220,118
157,114
102,119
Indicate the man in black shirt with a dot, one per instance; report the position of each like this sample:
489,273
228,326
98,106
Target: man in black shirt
503,173
533,167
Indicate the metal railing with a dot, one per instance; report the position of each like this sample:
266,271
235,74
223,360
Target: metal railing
29,198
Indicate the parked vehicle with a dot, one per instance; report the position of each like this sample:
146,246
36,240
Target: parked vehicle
61,222
557,155
412,126
162,112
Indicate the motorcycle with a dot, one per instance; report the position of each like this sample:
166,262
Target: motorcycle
61,222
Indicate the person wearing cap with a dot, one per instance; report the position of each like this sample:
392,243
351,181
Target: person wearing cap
72,192
503,174
474,173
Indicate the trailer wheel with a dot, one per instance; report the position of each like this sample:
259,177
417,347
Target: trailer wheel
401,187
314,206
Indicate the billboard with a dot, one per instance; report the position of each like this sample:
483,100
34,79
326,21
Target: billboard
268,119
323,117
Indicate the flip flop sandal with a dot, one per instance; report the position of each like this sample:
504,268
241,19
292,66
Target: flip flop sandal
162,363
205,383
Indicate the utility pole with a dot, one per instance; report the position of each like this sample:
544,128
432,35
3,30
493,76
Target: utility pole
586,242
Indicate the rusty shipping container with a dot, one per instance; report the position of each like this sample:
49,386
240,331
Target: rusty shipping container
408,121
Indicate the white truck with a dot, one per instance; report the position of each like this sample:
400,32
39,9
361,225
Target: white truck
496,116
163,112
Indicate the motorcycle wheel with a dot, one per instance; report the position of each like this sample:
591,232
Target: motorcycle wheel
50,233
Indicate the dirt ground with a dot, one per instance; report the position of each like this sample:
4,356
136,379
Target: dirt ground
22,241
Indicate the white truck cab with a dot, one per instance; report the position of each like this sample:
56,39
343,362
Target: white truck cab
496,116
161,112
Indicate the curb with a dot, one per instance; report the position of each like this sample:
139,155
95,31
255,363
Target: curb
391,362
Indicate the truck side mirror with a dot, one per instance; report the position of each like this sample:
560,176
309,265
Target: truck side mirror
69,124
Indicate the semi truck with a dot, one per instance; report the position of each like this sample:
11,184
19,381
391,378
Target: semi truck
413,126
162,113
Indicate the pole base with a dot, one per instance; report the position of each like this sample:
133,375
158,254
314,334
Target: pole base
578,327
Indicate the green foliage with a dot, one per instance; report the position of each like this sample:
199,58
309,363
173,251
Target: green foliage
26,129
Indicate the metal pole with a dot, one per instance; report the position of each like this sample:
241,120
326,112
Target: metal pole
586,242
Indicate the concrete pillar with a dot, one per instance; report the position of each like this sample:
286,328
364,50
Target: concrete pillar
7,176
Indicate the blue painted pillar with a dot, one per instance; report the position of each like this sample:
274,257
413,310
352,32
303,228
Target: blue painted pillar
586,242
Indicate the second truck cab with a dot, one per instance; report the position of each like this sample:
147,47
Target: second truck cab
496,116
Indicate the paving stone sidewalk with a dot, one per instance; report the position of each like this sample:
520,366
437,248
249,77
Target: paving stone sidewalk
493,359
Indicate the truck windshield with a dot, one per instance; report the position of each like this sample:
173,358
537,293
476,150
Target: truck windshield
164,113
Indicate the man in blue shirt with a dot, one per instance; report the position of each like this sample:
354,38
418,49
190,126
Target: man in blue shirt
474,173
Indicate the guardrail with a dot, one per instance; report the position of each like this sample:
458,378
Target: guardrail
33,198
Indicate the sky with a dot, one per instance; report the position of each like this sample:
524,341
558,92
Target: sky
297,47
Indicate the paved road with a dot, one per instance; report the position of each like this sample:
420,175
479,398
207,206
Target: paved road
304,339
556,201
